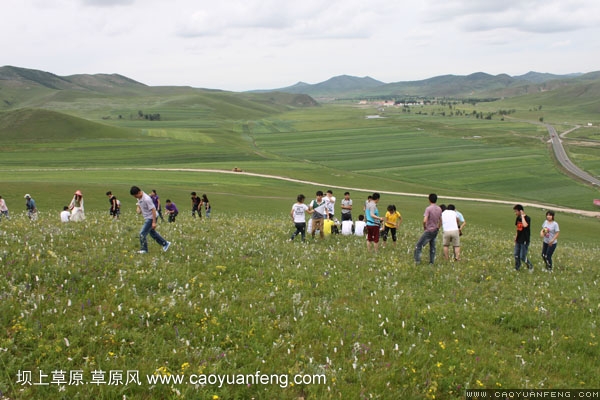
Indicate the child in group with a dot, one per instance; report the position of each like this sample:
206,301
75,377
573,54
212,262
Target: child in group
393,219
347,227
171,210
359,226
298,214
65,215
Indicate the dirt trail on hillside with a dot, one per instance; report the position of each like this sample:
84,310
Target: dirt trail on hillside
586,213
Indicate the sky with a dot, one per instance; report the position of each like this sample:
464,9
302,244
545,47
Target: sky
241,45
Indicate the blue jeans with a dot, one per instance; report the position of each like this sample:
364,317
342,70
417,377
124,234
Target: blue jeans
547,252
521,255
426,237
147,229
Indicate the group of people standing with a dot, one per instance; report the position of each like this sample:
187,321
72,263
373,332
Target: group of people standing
149,206
435,217
322,210
549,233
452,223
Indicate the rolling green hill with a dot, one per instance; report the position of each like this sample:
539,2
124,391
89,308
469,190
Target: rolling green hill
35,125
24,78
430,148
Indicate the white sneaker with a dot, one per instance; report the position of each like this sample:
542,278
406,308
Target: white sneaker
166,246
142,252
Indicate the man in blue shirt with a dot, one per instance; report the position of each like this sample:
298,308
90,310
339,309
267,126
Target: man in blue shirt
31,208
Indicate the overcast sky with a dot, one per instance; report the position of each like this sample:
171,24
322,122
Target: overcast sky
265,44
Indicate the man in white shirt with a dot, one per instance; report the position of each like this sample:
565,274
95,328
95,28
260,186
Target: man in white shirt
145,206
451,235
330,204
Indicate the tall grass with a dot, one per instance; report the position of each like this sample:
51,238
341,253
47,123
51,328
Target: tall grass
233,296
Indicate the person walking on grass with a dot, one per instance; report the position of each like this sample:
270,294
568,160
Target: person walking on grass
522,238
207,207
196,205
549,233
373,222
156,200
451,232
115,205
432,220
3,209
145,206
32,211
298,214
318,210
393,219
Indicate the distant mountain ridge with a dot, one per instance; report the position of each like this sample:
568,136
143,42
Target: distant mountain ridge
22,77
478,84
28,88
332,86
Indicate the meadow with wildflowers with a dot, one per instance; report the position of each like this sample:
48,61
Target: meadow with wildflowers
234,297
84,316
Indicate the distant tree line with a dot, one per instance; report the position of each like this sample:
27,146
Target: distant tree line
149,117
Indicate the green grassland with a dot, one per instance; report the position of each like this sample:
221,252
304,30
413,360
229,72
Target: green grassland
233,296
337,144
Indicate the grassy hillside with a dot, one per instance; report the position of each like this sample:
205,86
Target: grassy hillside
34,125
431,148
233,296
334,145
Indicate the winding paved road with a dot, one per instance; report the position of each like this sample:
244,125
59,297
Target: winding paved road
318,184
563,159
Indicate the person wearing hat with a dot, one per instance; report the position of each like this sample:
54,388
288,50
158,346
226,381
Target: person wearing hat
76,207
31,208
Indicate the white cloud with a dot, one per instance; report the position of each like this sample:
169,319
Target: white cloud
249,44
107,3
